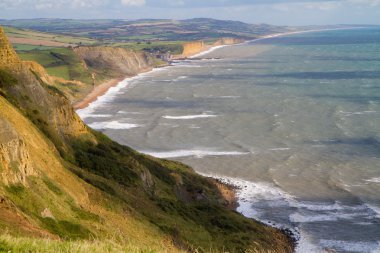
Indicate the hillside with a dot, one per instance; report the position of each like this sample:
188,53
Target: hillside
61,180
109,31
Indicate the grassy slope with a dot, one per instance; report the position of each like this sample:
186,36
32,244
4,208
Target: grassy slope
60,62
79,210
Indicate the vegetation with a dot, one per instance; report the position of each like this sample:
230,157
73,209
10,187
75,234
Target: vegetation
174,47
116,31
6,79
60,62
14,244
47,37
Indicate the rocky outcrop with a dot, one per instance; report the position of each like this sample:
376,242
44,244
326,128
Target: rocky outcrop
15,162
49,106
8,56
34,94
115,62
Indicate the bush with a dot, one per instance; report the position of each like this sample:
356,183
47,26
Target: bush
6,79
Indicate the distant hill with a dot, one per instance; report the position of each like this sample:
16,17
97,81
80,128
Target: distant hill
148,29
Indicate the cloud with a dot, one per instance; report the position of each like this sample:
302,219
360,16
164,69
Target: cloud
316,6
51,4
133,2
366,3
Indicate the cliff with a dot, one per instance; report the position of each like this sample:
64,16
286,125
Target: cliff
196,47
61,180
192,48
227,41
115,62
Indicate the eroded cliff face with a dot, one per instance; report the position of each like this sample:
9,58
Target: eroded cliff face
115,62
196,47
46,105
192,48
15,162
33,92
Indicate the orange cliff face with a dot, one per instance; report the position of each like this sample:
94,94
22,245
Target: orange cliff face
192,48
196,47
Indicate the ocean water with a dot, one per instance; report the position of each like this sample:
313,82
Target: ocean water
293,120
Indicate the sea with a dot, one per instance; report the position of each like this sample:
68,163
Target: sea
293,121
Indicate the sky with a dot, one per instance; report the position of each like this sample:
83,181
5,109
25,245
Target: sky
277,12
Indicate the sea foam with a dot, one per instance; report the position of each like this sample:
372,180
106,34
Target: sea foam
197,116
112,125
193,152
111,94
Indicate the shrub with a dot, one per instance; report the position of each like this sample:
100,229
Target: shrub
6,79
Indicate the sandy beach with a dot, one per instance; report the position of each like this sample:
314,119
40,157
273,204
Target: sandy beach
96,92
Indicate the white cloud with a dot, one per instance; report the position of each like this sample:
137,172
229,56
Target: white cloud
365,3
319,6
50,4
133,2
324,5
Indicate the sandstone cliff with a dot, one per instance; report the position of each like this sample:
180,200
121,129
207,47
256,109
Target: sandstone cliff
15,162
196,47
192,48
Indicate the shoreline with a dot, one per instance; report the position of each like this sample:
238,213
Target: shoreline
231,190
102,89
96,92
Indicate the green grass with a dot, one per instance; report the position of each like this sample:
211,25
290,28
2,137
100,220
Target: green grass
13,244
7,79
60,62
69,219
174,47
30,34
25,47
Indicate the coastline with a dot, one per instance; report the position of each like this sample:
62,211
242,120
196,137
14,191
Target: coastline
231,190
96,92
103,88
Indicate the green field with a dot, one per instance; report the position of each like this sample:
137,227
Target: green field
60,62
26,47
29,34
174,47
124,31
